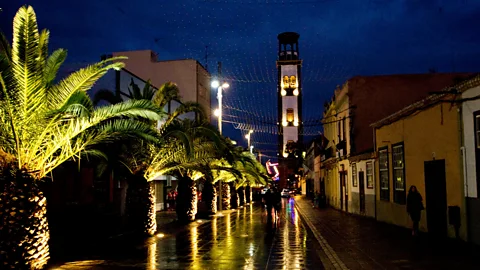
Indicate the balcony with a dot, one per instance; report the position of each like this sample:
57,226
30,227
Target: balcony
341,148
326,154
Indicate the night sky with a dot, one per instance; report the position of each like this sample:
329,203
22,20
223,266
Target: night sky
338,39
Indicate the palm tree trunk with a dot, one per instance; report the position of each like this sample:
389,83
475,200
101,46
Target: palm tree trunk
248,194
24,227
233,196
241,196
209,195
140,206
186,200
225,196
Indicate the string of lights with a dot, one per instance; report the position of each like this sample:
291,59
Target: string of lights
251,101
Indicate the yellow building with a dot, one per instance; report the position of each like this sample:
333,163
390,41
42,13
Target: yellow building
420,145
334,162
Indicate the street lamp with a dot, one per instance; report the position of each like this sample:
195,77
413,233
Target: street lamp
218,113
248,140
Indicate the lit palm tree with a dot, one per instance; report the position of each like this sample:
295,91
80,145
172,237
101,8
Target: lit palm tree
175,159
240,168
136,156
43,124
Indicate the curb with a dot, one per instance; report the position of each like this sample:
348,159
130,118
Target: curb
331,254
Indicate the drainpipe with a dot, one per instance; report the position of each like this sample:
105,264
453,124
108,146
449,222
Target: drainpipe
463,172
374,166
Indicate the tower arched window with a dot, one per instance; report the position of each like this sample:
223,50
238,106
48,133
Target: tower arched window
290,115
286,82
293,81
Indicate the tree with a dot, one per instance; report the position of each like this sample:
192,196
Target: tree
42,125
137,156
186,163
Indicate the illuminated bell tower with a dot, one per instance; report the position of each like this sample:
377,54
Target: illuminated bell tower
289,97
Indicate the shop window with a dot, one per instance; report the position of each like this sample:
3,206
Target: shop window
354,175
398,173
369,170
384,174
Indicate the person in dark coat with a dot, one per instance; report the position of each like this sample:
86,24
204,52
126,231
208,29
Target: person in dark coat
277,202
269,200
414,207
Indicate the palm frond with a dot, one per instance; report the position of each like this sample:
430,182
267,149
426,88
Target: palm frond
148,91
167,92
78,105
187,107
81,80
131,108
54,61
25,53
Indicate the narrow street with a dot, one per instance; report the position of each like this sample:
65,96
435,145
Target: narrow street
242,239
302,238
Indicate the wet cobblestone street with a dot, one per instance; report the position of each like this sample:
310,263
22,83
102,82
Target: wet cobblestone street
302,237
242,239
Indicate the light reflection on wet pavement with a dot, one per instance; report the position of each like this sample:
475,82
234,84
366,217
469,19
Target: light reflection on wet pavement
242,239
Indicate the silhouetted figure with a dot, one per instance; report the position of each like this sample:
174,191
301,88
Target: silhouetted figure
269,200
277,202
414,207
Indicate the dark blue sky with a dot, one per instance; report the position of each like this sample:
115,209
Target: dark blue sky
338,39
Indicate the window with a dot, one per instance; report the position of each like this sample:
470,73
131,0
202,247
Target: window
344,134
398,173
369,174
384,174
286,82
293,82
290,116
354,175
339,124
476,126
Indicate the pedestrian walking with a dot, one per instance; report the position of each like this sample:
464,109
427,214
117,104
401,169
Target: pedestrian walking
269,200
414,207
277,202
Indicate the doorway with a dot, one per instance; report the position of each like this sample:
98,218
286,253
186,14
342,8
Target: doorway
343,191
361,180
436,198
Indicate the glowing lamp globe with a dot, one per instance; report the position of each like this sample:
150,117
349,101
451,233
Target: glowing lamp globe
215,84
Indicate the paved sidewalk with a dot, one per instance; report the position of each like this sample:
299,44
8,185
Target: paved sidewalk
353,242
238,239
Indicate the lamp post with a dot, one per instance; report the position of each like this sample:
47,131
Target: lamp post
218,113
248,136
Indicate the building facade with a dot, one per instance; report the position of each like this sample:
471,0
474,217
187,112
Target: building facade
192,79
289,91
470,115
350,153
432,161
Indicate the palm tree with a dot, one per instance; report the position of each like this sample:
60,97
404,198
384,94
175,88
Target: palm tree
43,124
241,169
137,156
188,164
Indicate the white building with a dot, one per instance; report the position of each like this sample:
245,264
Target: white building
470,113
362,185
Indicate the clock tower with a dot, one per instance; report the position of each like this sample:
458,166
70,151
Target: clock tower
289,91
